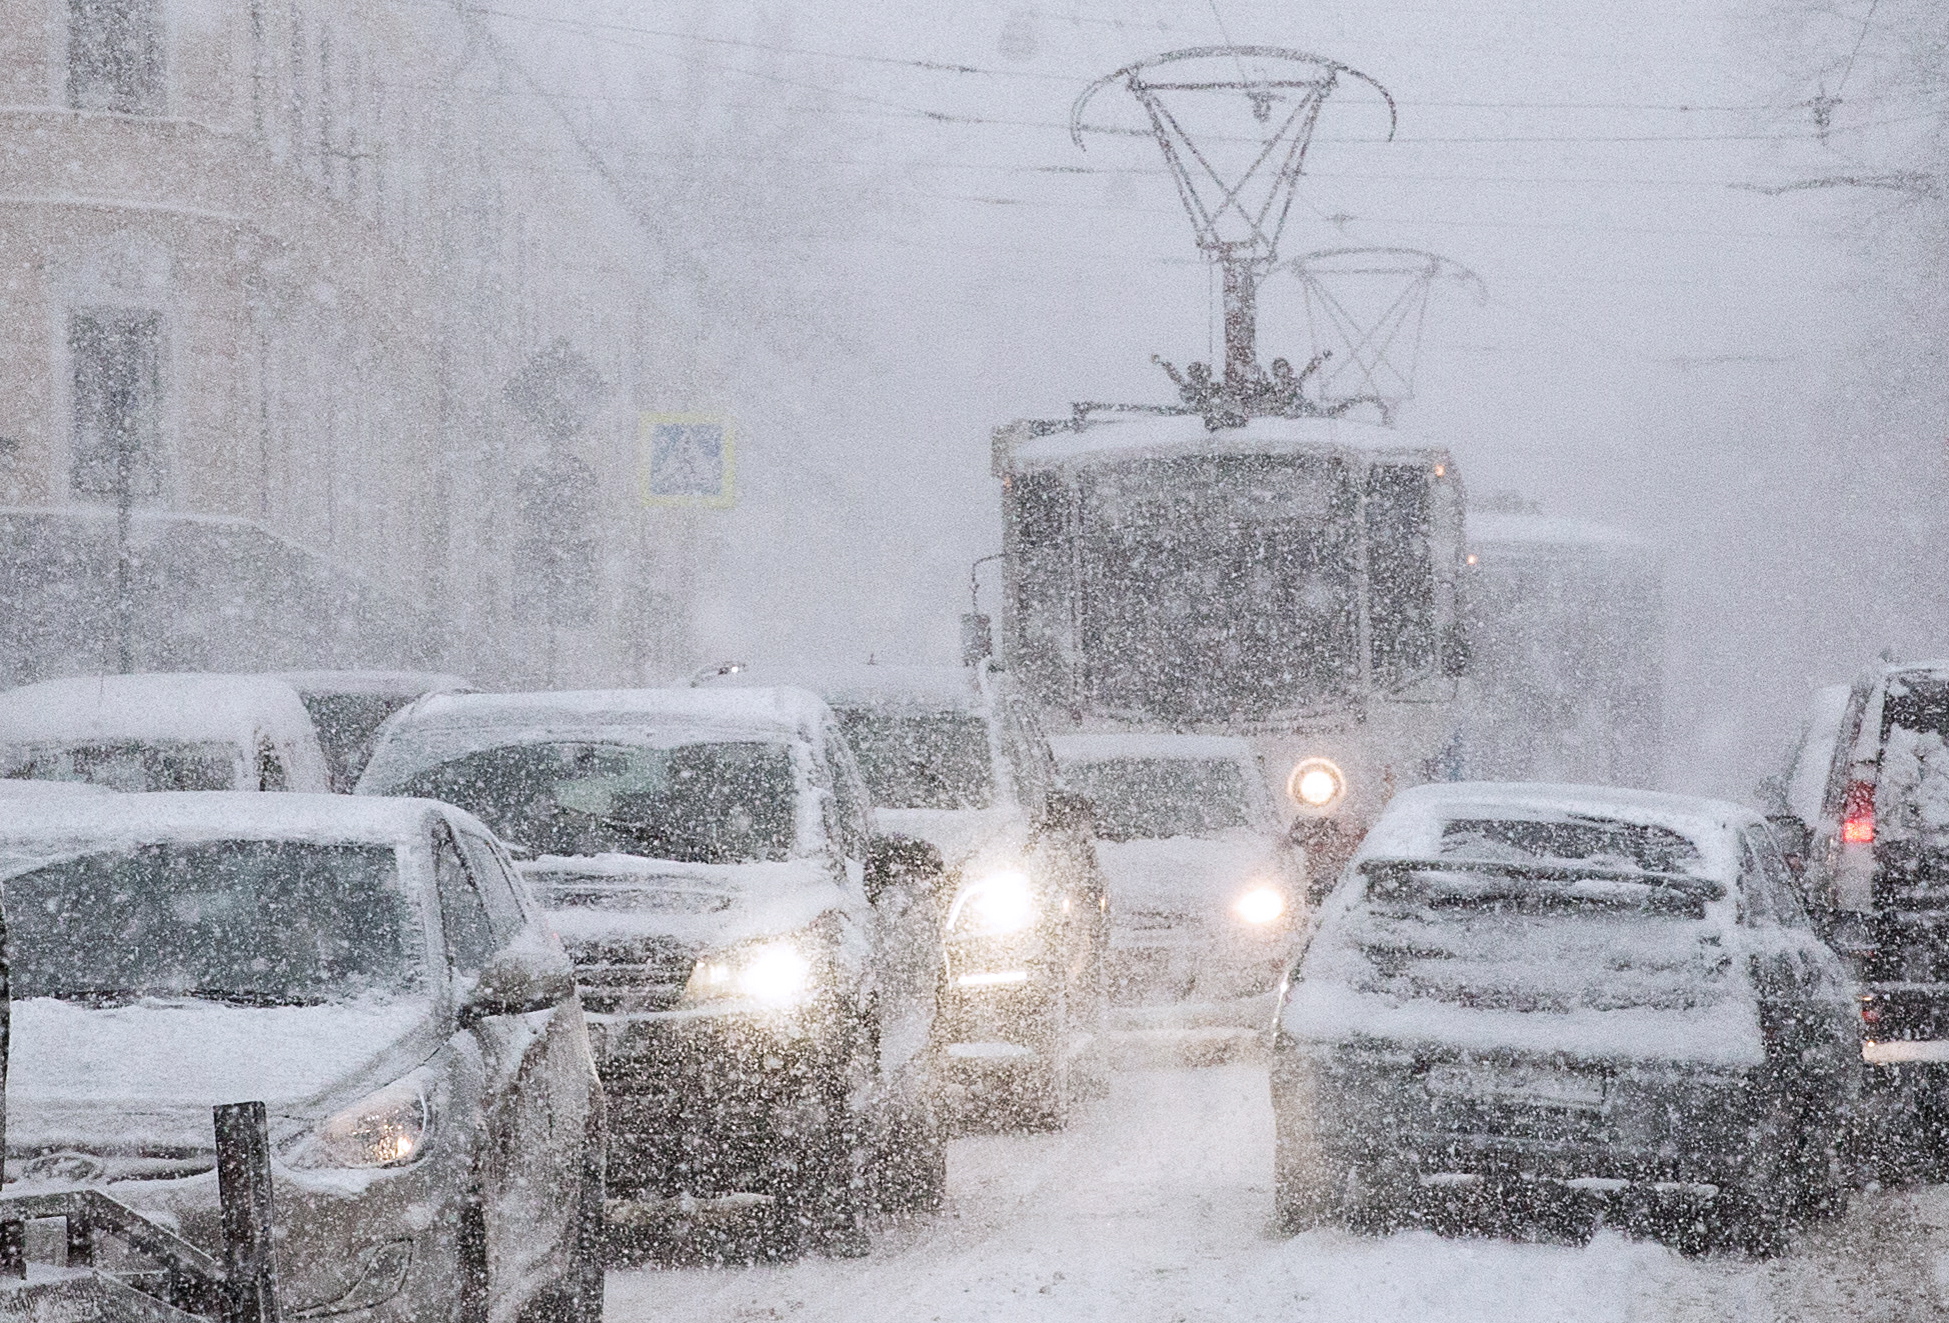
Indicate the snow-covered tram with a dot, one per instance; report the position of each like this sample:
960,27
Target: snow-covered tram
1292,580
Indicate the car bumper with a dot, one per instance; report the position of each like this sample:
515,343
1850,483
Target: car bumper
706,1104
382,1245
1190,977
1410,1119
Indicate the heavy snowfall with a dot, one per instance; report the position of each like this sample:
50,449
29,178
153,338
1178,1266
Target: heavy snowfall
777,659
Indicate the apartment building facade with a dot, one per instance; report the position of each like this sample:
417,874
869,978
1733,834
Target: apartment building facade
271,272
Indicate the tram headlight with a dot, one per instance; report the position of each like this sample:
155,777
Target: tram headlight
1316,784
1000,903
1260,906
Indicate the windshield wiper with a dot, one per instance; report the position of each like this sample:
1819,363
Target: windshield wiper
1554,870
226,996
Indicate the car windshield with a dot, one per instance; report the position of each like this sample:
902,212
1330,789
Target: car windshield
934,760
1155,798
252,922
128,765
728,802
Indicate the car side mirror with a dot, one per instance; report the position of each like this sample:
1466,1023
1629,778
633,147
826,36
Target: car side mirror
895,861
1794,837
1457,654
1065,810
518,982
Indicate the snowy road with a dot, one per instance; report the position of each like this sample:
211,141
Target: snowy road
1153,1207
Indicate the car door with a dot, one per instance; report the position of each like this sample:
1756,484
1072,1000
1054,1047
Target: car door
535,1107
904,927
1827,1001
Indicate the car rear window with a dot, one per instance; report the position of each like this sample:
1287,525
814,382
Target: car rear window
1597,841
932,760
128,765
1913,791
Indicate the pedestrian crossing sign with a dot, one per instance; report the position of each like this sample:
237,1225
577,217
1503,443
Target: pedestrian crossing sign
685,459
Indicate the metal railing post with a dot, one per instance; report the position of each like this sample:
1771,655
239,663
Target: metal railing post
244,1190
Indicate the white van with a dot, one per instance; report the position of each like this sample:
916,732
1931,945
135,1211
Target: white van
162,732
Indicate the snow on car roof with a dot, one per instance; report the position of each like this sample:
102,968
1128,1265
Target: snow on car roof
867,684
1104,748
446,726
158,706
1128,437
1410,827
769,711
201,815
399,684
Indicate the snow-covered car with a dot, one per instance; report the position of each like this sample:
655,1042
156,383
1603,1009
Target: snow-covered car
1205,894
1865,803
952,756
760,969
348,707
162,731
376,973
1589,993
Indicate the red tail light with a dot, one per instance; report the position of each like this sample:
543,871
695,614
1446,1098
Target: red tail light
1858,814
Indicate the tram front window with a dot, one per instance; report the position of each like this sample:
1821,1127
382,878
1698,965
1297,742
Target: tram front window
1221,587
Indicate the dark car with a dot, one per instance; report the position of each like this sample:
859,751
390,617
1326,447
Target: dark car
1865,803
1605,996
374,972
952,756
760,970
348,707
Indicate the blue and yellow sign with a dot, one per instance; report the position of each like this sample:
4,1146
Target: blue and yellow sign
686,459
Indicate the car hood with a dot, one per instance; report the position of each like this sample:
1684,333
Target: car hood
964,836
593,898
1184,872
143,1077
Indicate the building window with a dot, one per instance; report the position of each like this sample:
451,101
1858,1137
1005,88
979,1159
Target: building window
117,359
115,55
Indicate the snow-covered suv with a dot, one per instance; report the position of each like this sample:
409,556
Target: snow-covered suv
760,970
1865,802
1607,994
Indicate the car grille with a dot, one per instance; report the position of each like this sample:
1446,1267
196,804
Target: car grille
622,974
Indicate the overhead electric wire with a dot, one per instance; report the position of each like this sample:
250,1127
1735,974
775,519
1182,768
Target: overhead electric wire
592,26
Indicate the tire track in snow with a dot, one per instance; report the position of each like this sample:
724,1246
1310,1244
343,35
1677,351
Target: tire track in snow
1152,1207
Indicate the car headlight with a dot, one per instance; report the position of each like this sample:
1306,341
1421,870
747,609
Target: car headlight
1316,783
386,1128
1260,905
1002,902
773,973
